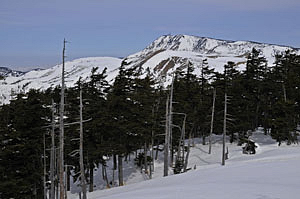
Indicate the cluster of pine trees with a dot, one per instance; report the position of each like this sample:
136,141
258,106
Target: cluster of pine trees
130,115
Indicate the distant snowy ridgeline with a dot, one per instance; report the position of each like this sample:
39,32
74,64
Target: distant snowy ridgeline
43,79
163,56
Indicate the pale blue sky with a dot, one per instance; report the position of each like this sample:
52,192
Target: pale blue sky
32,31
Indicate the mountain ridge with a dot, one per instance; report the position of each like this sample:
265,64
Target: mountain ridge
162,56
6,71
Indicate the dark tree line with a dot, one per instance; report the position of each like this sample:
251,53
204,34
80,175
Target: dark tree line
129,115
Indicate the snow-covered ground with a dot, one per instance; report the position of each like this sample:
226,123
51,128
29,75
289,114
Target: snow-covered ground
272,173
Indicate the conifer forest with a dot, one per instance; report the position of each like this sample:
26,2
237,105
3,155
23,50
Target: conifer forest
140,115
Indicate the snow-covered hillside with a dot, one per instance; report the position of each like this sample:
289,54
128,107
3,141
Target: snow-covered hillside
43,79
6,72
273,172
162,56
168,53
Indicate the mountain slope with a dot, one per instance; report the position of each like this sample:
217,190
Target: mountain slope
164,55
6,72
271,173
168,53
43,79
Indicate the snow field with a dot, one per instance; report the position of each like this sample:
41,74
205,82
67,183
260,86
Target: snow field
272,173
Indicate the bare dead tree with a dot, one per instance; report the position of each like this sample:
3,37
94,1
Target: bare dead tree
181,145
166,146
120,169
170,119
61,127
188,151
225,115
145,157
82,176
52,154
212,120
44,164
224,129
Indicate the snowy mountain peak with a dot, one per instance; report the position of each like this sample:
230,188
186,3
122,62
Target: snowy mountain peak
184,43
163,56
171,52
206,45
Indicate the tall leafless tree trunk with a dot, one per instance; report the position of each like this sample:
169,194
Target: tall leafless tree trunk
105,176
114,168
145,158
157,149
181,145
61,127
284,92
120,169
188,151
212,121
45,172
91,188
166,146
170,124
151,168
52,154
82,173
224,130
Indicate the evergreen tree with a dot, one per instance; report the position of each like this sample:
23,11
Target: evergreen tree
22,147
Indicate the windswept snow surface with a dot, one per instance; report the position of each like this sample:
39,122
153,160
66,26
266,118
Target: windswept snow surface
272,173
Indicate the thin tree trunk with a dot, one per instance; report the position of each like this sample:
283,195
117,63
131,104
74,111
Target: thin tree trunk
102,170
120,169
114,168
170,124
57,172
203,138
145,158
166,146
61,136
105,176
113,179
172,156
188,152
91,189
82,173
151,168
115,162
224,130
284,92
68,179
52,155
44,163
212,121
156,152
